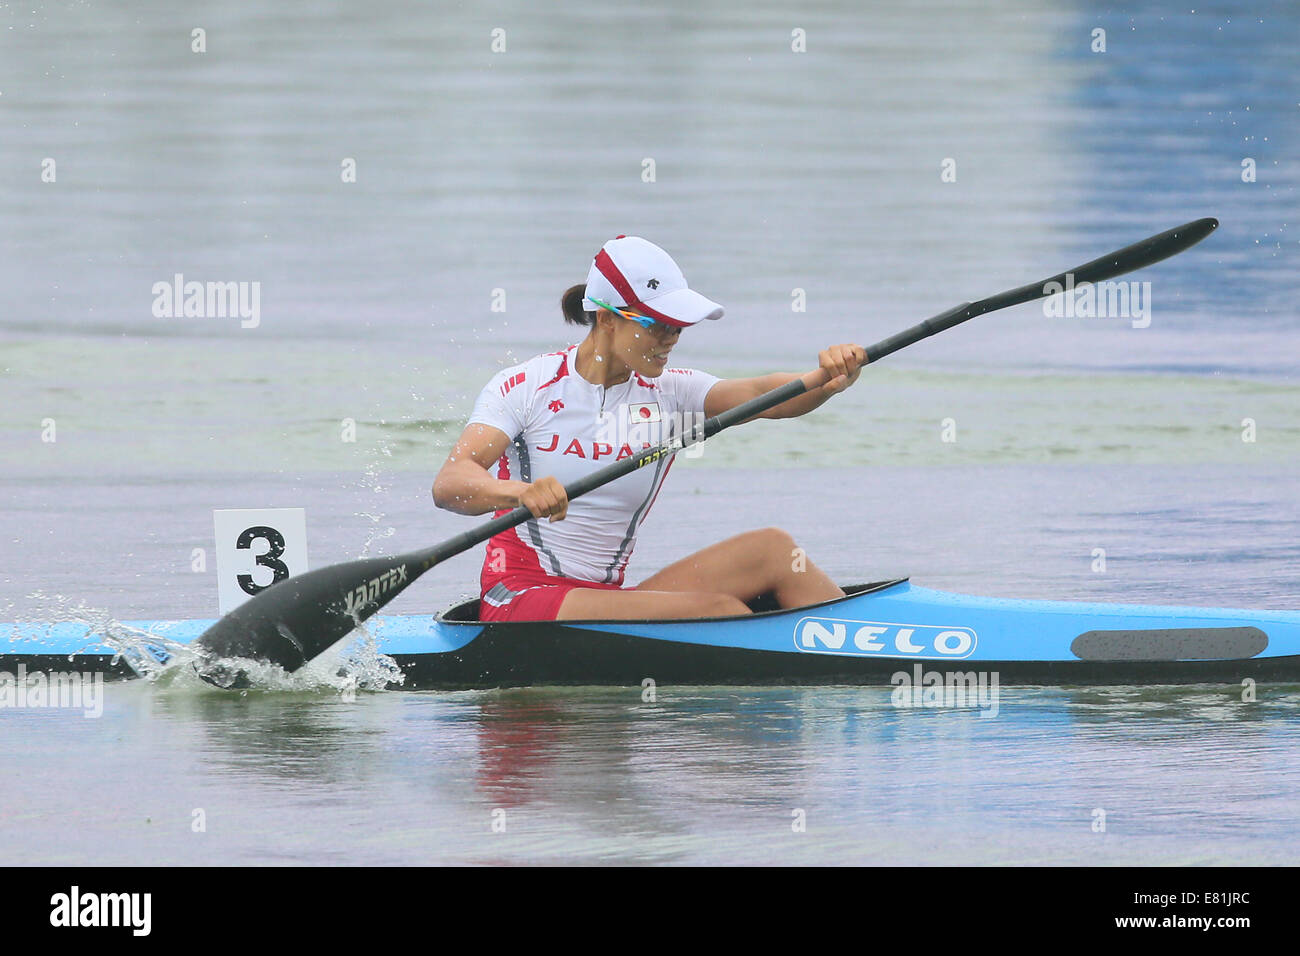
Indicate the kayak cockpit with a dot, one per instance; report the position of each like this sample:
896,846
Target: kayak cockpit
466,612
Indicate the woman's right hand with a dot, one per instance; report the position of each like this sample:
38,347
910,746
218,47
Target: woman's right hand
545,498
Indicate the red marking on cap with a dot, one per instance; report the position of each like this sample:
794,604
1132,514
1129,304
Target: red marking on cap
605,264
620,237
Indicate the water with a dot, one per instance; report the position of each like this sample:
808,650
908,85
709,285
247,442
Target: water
701,775
774,171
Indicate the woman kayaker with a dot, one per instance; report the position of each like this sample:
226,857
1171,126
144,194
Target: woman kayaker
544,423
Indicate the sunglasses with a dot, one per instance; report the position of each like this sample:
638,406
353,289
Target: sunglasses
644,321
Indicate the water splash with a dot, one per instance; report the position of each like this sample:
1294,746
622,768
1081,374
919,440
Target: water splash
373,480
354,664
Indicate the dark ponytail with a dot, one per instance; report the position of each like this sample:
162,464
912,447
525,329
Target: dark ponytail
574,312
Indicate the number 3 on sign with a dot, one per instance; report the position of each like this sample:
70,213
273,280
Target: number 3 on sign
267,559
255,549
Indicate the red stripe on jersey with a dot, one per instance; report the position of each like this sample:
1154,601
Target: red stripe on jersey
562,371
508,545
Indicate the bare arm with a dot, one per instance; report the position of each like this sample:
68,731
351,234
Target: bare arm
839,368
466,486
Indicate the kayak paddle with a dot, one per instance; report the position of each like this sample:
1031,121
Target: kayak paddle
299,618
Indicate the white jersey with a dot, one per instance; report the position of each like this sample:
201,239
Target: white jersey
561,425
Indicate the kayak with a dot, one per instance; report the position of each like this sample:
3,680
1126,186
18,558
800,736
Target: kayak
871,636
293,623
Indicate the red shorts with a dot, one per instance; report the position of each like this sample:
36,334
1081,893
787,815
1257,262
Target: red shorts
531,598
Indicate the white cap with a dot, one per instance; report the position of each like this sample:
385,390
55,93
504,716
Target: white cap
634,274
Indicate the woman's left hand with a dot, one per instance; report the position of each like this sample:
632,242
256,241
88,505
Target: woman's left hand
842,364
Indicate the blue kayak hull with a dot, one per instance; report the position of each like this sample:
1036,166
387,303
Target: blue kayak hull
867,637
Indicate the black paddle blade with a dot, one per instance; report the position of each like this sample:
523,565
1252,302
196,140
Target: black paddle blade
1139,255
299,618
1142,254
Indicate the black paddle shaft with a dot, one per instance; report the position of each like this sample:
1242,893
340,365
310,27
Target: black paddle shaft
301,617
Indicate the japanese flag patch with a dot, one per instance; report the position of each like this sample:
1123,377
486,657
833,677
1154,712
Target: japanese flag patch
641,414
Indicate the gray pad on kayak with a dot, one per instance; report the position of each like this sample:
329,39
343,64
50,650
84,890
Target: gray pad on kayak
1174,644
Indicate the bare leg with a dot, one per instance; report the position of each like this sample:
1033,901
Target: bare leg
714,582
594,604
748,565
